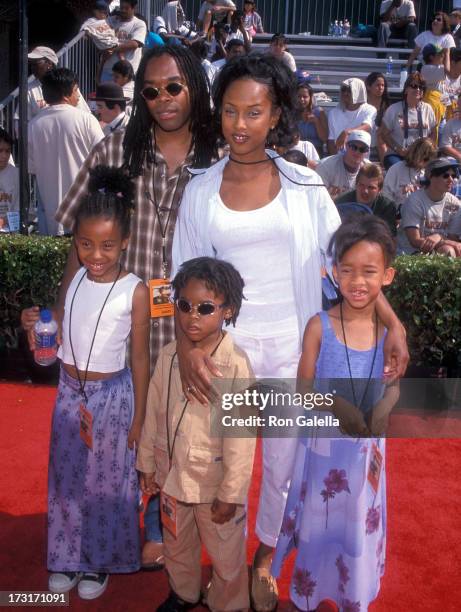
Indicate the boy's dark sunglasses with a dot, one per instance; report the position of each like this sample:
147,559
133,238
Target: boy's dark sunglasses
203,309
151,93
452,175
355,147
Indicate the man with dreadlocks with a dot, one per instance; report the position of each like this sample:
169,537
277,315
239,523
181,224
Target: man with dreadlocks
169,130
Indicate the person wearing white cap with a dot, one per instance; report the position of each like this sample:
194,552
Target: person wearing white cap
352,113
41,60
339,172
431,217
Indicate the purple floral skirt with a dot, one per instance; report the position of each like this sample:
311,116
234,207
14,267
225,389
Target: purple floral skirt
336,520
93,521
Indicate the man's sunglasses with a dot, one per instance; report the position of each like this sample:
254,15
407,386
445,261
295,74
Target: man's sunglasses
203,309
447,175
355,147
172,89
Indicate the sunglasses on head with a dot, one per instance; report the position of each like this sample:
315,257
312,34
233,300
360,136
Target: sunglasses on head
354,147
203,309
172,89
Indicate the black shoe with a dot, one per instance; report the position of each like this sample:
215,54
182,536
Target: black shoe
175,604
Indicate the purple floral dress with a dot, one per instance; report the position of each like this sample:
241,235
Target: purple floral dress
335,517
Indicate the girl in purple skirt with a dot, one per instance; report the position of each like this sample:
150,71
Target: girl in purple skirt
93,524
336,509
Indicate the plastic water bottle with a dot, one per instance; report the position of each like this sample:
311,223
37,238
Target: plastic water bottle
390,63
347,28
46,346
403,77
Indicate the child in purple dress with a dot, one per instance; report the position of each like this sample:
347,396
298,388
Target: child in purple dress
336,510
93,494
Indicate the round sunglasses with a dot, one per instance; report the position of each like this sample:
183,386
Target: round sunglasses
172,89
203,309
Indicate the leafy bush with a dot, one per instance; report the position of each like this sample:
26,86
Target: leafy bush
426,295
30,271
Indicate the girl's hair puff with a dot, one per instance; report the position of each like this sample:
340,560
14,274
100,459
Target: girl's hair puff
219,276
358,228
110,195
281,83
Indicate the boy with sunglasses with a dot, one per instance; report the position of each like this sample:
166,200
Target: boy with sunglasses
203,478
339,172
431,217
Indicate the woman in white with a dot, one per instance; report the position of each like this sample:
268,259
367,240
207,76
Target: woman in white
405,121
352,113
404,177
439,34
272,220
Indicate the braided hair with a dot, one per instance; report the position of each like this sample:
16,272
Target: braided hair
110,195
137,143
219,276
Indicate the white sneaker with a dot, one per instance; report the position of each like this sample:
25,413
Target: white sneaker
62,582
92,585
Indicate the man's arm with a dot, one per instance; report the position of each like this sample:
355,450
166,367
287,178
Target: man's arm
396,355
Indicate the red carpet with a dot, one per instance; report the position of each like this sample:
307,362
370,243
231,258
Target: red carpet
423,571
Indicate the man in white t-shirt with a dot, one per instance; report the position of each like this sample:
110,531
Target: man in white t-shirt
397,20
131,33
431,217
352,113
339,172
9,183
60,139
111,105
41,60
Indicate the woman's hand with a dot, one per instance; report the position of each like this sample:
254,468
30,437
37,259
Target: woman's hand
196,369
134,435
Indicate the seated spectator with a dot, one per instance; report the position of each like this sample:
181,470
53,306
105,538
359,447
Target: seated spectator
312,120
455,23
368,191
450,140
431,217
9,185
253,21
199,48
403,178
339,172
60,138
352,113
123,75
237,30
234,48
378,97
452,84
436,63
278,48
405,121
99,29
111,105
131,33
214,11
439,34
397,20
306,148
296,157
218,42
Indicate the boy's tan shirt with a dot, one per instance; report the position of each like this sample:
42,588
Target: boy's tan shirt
203,468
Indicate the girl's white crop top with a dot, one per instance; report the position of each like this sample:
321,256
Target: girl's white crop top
109,348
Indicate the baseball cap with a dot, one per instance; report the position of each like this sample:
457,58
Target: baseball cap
359,136
431,49
101,5
43,53
441,163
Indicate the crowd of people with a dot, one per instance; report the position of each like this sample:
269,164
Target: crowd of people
210,195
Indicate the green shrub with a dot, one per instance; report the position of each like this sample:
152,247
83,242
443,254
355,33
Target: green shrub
426,295
30,271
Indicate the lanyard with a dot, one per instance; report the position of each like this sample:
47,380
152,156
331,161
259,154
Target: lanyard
359,406
171,446
163,228
405,121
82,385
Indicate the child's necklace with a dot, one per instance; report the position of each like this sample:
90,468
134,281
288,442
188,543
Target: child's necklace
359,406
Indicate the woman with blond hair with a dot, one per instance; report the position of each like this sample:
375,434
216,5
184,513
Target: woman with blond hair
404,177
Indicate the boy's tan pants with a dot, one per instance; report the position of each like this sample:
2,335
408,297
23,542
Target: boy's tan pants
226,546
